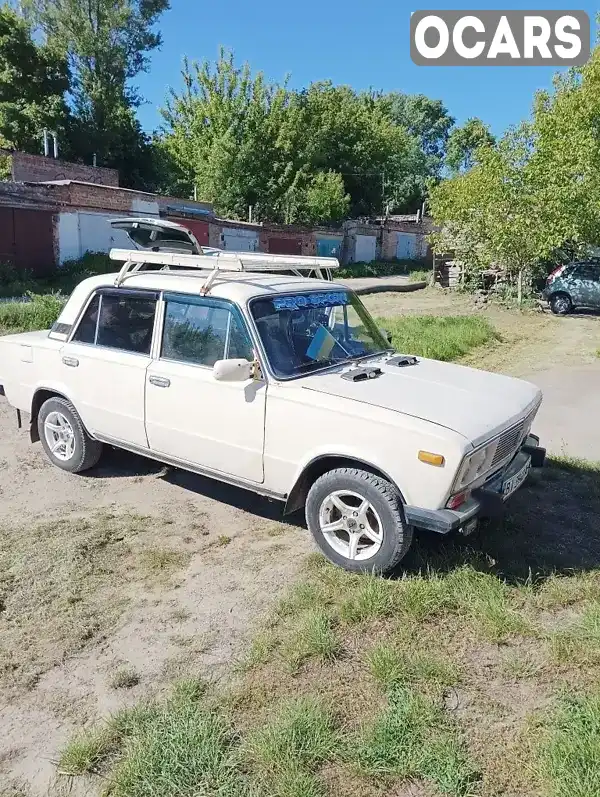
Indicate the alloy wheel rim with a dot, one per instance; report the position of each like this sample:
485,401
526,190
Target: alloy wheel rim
59,435
351,525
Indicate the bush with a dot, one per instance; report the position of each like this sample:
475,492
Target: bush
39,312
381,268
14,282
18,282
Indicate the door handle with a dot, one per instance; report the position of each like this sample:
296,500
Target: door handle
159,381
72,361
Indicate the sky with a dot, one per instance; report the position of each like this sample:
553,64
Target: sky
356,42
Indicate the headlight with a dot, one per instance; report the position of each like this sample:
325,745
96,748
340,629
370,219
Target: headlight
475,465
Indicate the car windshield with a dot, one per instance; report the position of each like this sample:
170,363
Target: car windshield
303,332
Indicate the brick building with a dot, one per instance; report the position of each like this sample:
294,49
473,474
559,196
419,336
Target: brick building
53,211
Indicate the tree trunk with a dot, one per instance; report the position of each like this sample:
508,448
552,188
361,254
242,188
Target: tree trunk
520,287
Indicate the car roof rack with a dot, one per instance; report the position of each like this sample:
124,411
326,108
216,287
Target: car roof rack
216,261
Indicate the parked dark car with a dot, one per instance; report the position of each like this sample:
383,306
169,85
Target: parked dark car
574,285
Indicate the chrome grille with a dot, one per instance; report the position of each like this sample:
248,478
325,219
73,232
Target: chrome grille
512,438
508,442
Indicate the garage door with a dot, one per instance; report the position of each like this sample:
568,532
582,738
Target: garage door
26,239
285,246
366,247
240,240
406,246
328,247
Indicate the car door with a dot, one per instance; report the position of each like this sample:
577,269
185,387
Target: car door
584,285
104,363
190,416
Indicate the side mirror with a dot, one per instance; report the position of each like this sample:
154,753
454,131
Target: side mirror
233,370
386,334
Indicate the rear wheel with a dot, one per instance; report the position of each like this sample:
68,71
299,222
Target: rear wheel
357,520
64,437
561,304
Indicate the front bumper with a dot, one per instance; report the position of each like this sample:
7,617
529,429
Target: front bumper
485,502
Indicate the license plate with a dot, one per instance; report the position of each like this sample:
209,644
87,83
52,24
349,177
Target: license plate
513,484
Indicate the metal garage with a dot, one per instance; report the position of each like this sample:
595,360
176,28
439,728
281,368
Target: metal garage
26,239
365,249
198,228
239,240
407,246
329,247
285,246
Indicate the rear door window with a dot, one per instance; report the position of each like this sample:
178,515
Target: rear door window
118,321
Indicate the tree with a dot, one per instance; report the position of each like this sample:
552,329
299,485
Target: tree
243,141
494,213
107,43
33,82
426,119
326,199
464,142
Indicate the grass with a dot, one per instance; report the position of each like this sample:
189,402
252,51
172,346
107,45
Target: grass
88,752
414,739
314,637
568,755
391,666
57,586
38,313
382,268
124,678
440,338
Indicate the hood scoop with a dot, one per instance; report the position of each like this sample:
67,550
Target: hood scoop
362,374
402,360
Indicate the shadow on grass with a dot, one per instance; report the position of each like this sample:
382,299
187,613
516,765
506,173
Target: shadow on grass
552,525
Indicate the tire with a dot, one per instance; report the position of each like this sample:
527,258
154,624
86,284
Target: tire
58,421
561,304
386,537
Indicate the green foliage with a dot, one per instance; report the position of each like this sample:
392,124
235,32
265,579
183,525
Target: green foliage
38,313
326,199
106,45
413,738
464,142
535,192
568,756
300,733
380,268
180,749
440,338
33,82
296,156
392,666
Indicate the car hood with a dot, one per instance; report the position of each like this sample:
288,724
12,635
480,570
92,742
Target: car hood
476,404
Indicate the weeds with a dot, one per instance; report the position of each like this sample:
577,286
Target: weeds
124,678
439,338
411,739
568,755
39,312
392,667
313,637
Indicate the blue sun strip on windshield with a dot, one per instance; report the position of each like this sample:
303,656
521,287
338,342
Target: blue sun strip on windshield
308,300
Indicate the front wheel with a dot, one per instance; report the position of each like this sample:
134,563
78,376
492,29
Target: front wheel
357,521
561,304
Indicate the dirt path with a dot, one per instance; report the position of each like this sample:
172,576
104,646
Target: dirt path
240,557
